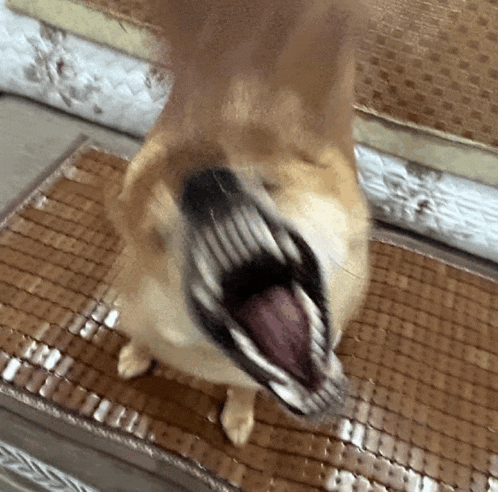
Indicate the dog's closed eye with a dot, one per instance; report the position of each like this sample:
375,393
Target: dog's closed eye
270,186
159,238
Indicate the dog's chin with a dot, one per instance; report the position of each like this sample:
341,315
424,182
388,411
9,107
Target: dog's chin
256,289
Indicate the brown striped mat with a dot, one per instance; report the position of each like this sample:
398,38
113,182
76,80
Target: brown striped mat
422,360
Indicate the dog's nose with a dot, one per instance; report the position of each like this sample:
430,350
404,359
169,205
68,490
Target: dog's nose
210,195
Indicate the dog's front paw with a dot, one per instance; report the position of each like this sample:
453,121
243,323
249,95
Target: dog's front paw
133,361
237,417
237,428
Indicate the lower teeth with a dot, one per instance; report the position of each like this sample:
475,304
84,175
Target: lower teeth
250,351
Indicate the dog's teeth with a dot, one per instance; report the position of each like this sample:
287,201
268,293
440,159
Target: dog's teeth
250,350
207,272
249,218
317,334
246,233
282,390
311,308
312,404
203,296
316,344
237,241
288,246
317,398
217,250
317,328
324,395
262,233
314,315
331,389
317,352
288,395
269,241
228,245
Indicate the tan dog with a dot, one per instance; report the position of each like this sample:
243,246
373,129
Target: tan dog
247,234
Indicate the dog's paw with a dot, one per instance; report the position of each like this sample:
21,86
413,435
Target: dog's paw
133,361
237,428
237,417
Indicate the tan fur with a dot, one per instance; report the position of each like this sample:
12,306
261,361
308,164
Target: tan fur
265,86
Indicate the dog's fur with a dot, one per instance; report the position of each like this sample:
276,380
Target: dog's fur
266,87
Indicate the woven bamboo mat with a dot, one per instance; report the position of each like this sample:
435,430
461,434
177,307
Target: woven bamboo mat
422,359
432,62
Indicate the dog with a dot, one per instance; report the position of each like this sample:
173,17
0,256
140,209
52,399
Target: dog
245,229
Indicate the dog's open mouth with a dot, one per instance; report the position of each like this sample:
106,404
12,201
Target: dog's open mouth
256,290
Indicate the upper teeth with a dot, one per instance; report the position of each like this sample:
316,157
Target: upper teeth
235,237
227,244
205,264
245,232
217,249
203,296
241,237
234,241
262,232
287,244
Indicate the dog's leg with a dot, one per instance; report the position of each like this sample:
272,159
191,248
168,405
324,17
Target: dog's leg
133,361
237,417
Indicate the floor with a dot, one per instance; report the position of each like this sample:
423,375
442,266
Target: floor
32,136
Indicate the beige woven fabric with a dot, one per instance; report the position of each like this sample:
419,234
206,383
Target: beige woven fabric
433,62
422,359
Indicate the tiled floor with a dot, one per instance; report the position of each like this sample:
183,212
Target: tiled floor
32,136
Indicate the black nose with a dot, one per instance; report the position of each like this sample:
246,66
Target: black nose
210,195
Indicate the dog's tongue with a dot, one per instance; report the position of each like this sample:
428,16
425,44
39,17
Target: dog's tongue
277,323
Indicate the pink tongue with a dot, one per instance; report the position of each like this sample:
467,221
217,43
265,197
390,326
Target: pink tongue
278,325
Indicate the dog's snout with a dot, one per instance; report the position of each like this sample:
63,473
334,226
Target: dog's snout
210,195
224,216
